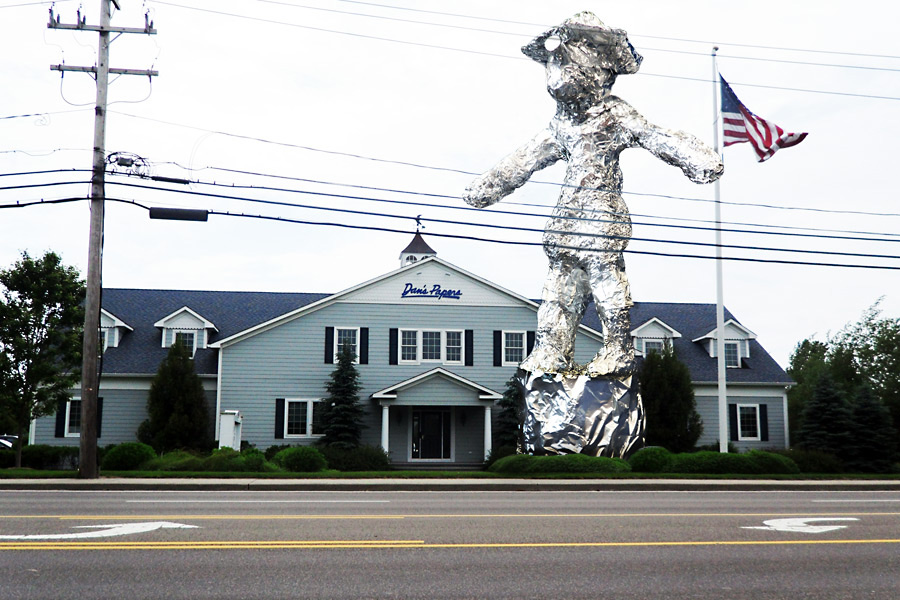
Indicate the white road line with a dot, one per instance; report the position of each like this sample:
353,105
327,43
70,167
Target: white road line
860,500
257,501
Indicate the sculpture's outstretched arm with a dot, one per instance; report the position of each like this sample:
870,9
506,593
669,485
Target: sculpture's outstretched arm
697,160
513,171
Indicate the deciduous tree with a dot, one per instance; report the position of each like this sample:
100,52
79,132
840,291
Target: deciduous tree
41,317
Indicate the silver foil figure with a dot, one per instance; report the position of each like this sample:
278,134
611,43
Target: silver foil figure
590,226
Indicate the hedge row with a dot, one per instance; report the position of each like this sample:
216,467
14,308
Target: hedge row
755,462
523,464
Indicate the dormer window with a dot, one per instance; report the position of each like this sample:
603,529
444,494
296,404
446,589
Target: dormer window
653,336
111,330
737,343
653,346
188,339
732,355
186,326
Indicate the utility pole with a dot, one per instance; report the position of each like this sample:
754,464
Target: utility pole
90,377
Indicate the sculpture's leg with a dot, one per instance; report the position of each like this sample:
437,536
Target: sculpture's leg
612,298
563,302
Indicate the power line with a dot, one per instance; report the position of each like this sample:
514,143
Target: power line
473,238
539,215
507,202
544,27
466,50
472,173
501,227
324,30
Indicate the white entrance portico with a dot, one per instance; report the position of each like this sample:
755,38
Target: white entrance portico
436,416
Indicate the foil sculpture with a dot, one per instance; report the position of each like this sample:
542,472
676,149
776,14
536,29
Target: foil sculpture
570,407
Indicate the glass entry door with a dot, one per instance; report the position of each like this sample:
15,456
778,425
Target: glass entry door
431,434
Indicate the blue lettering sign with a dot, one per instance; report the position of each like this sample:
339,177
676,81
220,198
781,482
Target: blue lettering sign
436,291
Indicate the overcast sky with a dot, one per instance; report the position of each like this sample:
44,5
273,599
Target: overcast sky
401,102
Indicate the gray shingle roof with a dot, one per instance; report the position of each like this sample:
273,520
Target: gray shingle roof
141,351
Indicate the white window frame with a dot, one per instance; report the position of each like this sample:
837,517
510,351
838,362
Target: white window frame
660,341
337,347
737,351
415,359
67,432
462,347
194,332
740,430
104,337
420,351
503,334
310,403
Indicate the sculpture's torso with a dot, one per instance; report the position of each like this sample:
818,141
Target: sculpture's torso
590,212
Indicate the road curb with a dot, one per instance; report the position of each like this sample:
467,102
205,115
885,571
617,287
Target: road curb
441,485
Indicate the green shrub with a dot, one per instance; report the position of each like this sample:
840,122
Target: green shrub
773,464
255,461
713,463
42,456
127,457
224,459
714,447
301,459
565,463
271,451
813,461
498,453
177,460
652,459
361,458
7,459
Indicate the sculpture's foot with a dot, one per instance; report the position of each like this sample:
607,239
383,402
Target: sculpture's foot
611,363
543,361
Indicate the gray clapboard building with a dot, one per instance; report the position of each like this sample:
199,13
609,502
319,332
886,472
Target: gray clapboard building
435,344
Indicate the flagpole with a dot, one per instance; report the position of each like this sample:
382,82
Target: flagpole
720,304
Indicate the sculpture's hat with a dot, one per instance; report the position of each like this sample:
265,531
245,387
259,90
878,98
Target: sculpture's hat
586,41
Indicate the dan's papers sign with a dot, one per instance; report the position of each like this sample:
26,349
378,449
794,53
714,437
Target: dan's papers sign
435,291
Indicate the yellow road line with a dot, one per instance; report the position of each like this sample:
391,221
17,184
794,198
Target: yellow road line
396,545
157,517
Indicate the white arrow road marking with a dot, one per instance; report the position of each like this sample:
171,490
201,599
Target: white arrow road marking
103,531
801,525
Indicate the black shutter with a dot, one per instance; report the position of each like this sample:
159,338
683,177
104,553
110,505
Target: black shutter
329,345
764,422
279,418
529,342
470,348
99,415
733,421
393,345
363,345
60,419
498,348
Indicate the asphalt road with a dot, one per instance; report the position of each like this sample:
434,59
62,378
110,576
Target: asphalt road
485,544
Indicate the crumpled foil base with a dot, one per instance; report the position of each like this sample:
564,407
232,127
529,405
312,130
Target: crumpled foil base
599,416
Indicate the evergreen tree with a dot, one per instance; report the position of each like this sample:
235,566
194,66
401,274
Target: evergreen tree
343,414
874,444
41,318
808,362
669,404
176,405
828,424
508,424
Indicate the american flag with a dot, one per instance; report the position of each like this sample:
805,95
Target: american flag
741,125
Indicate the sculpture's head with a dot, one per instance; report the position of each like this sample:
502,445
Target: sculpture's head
582,57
